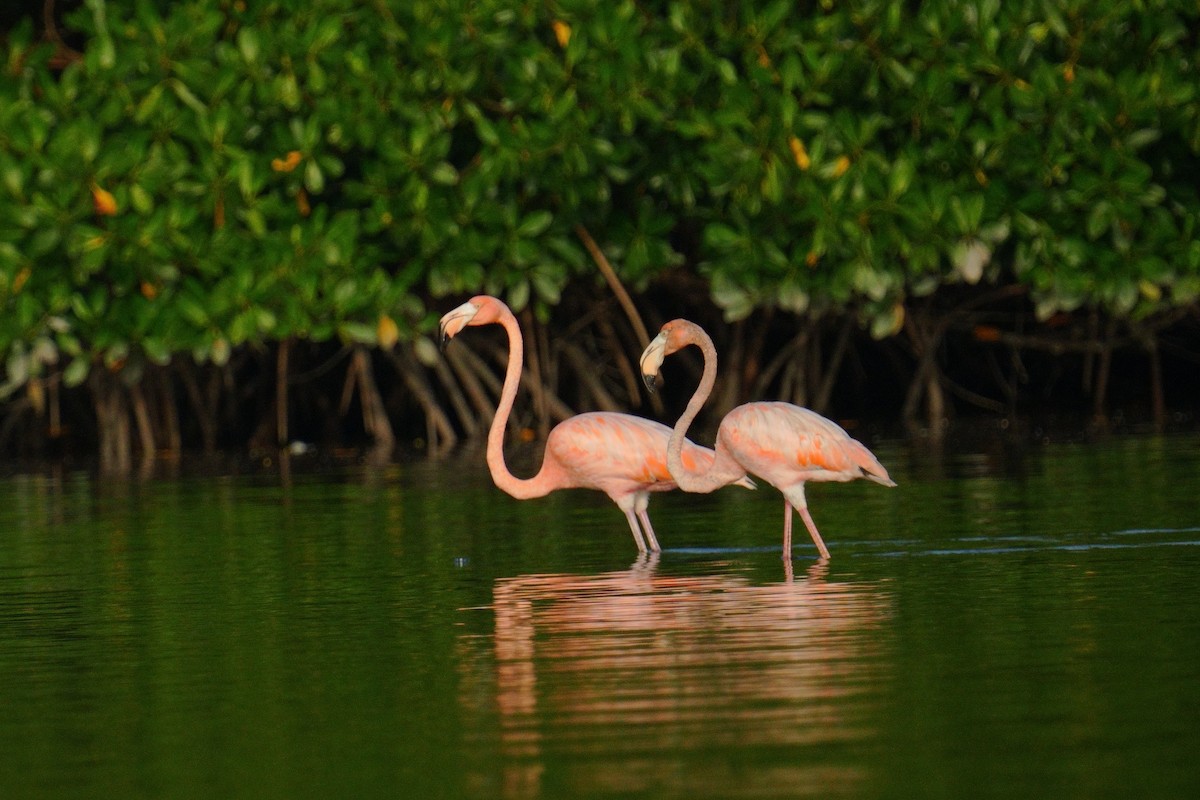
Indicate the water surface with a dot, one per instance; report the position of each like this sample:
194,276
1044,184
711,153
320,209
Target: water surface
999,625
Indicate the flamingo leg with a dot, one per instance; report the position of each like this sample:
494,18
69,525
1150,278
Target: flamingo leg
812,529
787,530
651,539
637,532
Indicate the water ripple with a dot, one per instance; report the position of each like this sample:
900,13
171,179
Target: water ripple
992,545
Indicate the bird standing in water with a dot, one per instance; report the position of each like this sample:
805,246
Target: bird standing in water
783,444
621,455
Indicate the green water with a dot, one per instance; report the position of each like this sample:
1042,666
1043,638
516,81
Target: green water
996,626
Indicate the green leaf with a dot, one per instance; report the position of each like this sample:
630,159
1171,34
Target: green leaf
727,71
157,351
77,371
968,212
1140,138
148,104
548,289
486,131
734,300
721,237
444,173
900,73
143,203
185,94
426,351
247,42
901,177
887,322
357,332
518,296
314,179
1098,219
792,298
534,223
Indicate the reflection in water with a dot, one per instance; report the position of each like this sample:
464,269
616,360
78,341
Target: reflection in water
634,681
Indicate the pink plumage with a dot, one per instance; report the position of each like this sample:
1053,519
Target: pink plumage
616,452
794,444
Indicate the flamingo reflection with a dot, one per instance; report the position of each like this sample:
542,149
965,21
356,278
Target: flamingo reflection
623,674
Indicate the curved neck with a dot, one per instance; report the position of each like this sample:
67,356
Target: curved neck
520,488
709,479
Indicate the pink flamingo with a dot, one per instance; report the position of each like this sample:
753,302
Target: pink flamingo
784,444
619,454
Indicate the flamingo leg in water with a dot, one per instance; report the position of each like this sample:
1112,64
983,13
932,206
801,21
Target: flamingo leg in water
637,532
651,539
812,529
787,530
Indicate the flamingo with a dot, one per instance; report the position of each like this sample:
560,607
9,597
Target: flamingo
784,444
621,455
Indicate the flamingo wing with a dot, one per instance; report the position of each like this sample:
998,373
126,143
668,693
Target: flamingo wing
602,450
605,450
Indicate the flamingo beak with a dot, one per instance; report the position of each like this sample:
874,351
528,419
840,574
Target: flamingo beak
455,320
651,361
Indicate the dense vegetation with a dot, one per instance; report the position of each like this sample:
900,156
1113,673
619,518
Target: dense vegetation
204,204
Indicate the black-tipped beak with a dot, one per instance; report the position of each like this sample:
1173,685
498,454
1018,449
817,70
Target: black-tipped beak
651,361
454,321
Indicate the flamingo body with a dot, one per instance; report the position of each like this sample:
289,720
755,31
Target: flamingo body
788,444
619,454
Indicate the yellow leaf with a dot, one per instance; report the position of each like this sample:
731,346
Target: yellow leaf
286,164
19,279
800,153
562,32
149,290
840,166
387,332
1151,291
103,201
37,396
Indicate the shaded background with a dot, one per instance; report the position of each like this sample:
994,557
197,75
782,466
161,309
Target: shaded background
233,226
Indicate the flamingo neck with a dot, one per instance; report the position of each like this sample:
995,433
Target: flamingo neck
520,488
711,478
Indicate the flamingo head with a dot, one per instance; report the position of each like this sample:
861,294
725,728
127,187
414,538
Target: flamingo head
479,310
675,335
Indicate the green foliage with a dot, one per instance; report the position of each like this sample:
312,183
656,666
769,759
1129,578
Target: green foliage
215,175
864,153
